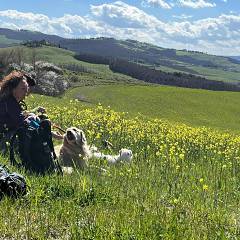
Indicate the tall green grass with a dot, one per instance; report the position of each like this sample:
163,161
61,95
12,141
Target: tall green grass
194,107
182,184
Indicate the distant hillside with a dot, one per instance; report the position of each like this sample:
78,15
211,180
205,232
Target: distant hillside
168,60
18,36
77,72
237,58
172,79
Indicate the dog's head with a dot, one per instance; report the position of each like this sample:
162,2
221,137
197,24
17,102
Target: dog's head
75,136
125,155
74,151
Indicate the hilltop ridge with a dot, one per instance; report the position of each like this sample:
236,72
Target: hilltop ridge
168,60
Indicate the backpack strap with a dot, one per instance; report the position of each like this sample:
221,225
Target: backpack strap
4,132
45,126
3,128
23,145
11,153
6,108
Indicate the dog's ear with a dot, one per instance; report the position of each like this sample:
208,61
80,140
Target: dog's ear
75,129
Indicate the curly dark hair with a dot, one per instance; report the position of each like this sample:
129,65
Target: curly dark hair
11,81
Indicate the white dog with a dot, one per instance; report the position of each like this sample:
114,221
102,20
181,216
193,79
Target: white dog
125,155
75,152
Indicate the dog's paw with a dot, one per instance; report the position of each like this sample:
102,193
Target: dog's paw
67,170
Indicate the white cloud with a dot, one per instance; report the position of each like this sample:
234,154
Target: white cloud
220,35
66,26
159,3
232,12
196,3
180,3
182,16
120,14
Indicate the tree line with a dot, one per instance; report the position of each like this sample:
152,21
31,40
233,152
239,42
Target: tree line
150,75
39,43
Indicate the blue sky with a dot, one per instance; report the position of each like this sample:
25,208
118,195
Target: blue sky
211,26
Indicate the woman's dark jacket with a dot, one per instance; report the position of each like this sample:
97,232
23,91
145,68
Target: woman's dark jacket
11,114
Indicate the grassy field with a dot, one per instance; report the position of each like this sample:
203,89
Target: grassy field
217,74
183,183
6,41
218,110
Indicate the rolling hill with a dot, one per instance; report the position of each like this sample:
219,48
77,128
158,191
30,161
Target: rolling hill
78,72
236,58
21,35
168,60
96,83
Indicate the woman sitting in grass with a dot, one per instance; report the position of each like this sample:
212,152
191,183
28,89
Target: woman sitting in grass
13,89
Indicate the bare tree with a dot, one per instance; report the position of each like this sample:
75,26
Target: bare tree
7,57
19,56
34,58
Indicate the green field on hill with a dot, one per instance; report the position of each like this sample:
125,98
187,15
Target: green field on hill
4,40
183,180
190,106
182,183
62,56
91,74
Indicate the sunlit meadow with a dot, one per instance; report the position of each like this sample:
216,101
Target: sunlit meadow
183,183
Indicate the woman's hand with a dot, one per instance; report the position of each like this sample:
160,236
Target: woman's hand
40,110
57,135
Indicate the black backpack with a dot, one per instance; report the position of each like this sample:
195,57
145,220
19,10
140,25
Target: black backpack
35,148
11,184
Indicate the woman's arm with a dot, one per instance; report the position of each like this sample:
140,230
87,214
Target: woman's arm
14,113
